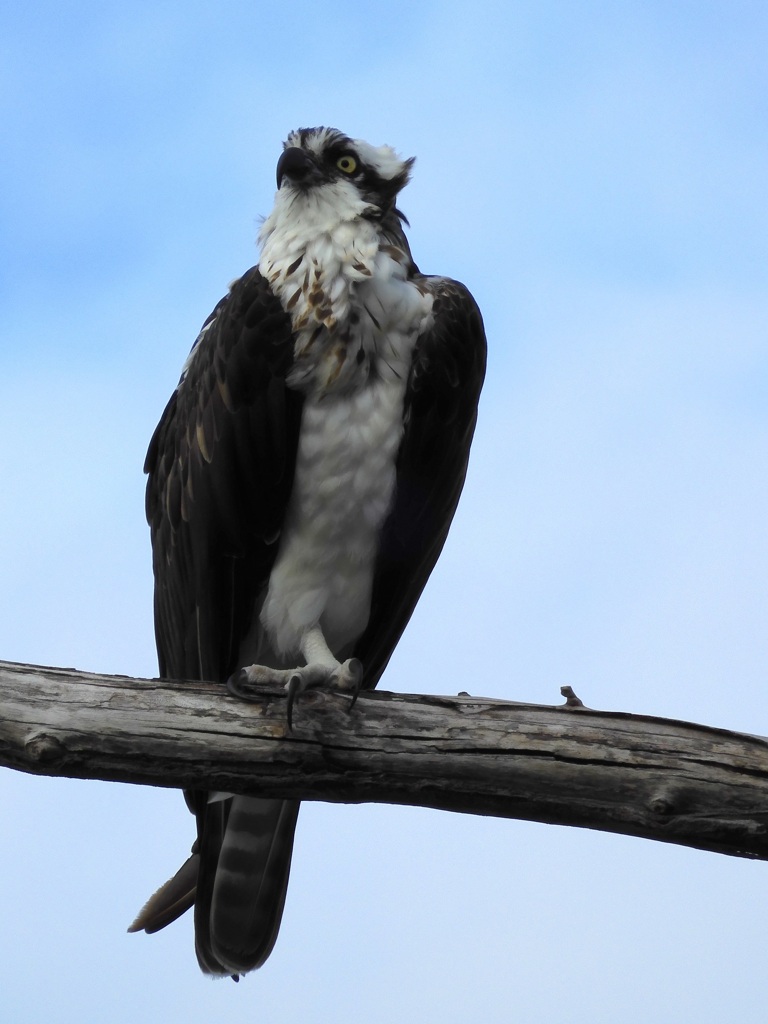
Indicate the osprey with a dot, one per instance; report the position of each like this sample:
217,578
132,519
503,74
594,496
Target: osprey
302,481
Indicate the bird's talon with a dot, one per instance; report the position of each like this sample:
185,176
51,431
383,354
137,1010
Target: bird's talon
355,695
240,686
293,688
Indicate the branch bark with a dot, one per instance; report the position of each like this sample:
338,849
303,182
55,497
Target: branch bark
652,777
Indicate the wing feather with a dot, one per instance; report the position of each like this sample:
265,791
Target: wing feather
220,468
440,414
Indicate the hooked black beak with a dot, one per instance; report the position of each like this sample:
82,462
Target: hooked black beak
297,165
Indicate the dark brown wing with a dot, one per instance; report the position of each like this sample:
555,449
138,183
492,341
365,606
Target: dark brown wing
440,414
221,466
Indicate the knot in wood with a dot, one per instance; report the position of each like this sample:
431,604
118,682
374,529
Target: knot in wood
43,748
664,801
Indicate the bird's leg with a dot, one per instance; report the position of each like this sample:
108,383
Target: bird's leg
321,669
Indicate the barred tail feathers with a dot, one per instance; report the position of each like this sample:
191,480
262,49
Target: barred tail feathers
245,860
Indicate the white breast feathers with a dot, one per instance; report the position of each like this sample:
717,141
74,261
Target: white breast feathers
357,319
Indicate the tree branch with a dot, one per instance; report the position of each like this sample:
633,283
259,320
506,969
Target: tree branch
657,778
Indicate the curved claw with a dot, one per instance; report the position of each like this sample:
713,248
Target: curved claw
356,688
293,688
302,679
249,683
347,676
239,685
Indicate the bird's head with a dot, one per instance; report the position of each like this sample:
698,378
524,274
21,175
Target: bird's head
334,217
325,162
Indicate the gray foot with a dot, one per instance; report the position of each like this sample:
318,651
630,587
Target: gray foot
246,683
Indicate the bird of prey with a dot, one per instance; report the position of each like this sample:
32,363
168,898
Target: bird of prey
302,480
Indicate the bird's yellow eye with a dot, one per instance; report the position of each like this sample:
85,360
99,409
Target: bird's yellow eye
347,164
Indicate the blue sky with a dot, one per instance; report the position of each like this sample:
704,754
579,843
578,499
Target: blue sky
595,173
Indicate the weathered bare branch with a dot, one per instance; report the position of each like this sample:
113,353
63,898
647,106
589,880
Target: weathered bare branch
651,777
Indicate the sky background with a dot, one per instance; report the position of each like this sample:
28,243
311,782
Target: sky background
596,173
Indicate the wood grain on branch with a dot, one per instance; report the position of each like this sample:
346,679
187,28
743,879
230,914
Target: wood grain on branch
652,777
